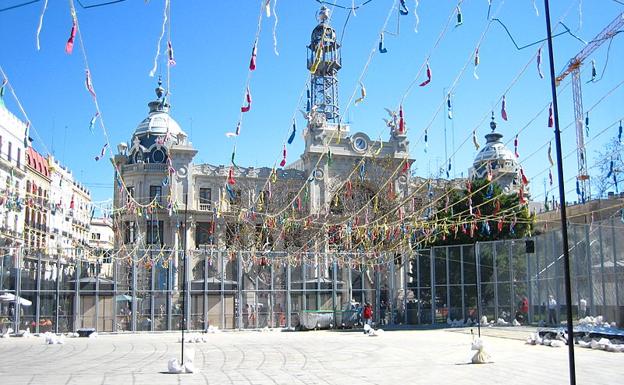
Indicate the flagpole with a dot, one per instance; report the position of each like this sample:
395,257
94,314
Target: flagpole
562,199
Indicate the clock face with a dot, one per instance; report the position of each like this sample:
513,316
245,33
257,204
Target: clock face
360,144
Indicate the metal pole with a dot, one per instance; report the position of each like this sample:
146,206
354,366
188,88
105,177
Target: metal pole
478,282
183,323
564,220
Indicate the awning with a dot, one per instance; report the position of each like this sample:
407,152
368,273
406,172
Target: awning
9,297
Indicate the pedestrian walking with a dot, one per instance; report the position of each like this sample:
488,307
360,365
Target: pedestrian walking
552,310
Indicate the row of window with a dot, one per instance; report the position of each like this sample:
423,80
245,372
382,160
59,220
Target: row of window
18,159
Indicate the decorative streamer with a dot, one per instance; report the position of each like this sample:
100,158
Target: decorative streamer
449,106
283,162
516,147
275,28
254,52
504,108
88,83
230,192
329,157
610,169
363,171
292,134
578,188
233,156
580,14
267,8
236,133
231,180
525,180
416,16
474,140
403,10
620,132
69,46
401,120
26,135
406,167
93,120
448,170
535,7
594,73
460,18
587,124
102,152
382,48
40,25
309,98
476,63
550,158
247,107
162,34
362,94
170,59
550,176
428,76
539,63
551,116
426,142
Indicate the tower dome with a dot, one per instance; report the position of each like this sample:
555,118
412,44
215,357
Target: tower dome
158,122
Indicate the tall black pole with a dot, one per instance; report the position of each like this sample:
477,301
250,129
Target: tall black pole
562,199
183,323
478,282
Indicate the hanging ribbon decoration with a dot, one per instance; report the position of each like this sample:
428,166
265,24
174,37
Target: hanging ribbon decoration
69,46
525,180
551,116
474,140
162,34
88,83
362,94
426,141
93,120
170,59
504,108
460,18
267,8
382,48
578,188
406,167
247,107
254,52
620,132
40,25
594,73
428,76
401,120
362,171
235,133
275,28
102,152
477,60
535,7
539,63
449,106
26,136
550,176
416,16
448,170
403,10
233,156
550,158
283,162
610,169
516,147
329,158
587,124
231,180
292,134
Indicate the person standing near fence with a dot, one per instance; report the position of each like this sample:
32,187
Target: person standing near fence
582,308
368,314
552,310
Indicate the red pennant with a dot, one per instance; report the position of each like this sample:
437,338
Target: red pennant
248,98
252,61
428,76
69,46
401,120
500,225
231,180
406,167
525,180
504,109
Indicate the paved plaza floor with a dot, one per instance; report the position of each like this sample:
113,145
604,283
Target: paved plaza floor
322,357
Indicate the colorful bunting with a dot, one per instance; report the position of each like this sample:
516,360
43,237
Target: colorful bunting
477,60
283,162
382,48
292,134
247,107
254,51
102,152
539,63
428,76
69,46
88,83
362,94
504,108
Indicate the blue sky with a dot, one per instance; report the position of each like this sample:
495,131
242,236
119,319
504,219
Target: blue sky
213,40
